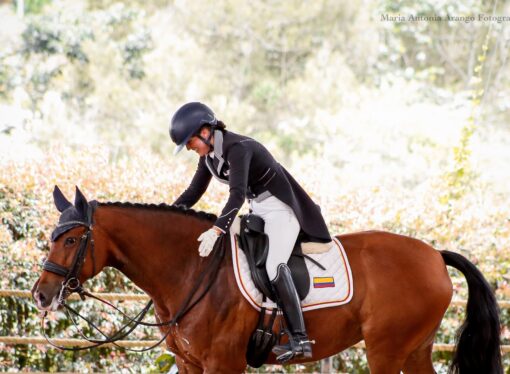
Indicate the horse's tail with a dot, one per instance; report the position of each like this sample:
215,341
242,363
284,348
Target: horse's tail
478,339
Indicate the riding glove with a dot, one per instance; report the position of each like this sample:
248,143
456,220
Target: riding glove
207,240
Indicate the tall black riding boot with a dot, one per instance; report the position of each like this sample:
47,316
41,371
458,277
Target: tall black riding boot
288,300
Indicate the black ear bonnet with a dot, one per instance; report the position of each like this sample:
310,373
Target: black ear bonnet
79,214
69,219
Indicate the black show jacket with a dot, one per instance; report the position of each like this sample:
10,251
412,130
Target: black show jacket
249,170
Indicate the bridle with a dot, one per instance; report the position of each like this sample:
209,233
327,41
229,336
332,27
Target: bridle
71,284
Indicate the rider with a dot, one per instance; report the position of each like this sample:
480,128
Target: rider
252,173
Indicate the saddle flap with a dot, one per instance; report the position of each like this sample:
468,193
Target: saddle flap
252,222
255,244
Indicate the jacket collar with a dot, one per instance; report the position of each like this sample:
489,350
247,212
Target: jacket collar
218,149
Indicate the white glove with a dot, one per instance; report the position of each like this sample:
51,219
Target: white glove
207,240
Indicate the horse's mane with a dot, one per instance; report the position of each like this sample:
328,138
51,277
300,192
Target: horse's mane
163,207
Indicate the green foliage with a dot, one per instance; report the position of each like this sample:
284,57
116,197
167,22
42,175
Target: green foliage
352,361
28,215
62,45
423,45
259,66
389,125
132,53
6,83
444,52
35,6
164,363
459,180
48,36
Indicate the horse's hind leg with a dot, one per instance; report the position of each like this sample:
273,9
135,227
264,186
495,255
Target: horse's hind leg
420,361
381,362
386,356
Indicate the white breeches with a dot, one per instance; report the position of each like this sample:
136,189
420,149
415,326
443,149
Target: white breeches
282,228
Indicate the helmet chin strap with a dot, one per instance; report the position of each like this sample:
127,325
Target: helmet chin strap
208,140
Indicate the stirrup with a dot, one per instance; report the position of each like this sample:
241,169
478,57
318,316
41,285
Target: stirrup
286,352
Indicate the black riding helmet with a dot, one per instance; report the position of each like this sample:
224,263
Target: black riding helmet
188,120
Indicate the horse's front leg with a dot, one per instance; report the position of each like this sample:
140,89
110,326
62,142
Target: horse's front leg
225,368
187,367
225,356
183,364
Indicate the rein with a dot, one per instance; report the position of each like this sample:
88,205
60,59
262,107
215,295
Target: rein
71,284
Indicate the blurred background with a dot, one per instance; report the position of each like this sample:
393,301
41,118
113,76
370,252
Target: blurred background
399,125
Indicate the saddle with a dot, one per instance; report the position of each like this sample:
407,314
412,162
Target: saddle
255,244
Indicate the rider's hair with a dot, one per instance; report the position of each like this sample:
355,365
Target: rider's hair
219,126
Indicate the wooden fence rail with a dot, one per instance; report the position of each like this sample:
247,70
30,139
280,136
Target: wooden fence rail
35,340
14,340
503,304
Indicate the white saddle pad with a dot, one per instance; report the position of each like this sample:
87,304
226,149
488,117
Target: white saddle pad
330,287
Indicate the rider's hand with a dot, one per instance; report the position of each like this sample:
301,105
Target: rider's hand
207,240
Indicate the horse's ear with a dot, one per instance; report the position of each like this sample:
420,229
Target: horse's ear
80,203
60,200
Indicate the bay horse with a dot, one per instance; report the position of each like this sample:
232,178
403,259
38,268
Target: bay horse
401,291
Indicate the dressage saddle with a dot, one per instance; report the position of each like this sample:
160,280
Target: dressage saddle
255,244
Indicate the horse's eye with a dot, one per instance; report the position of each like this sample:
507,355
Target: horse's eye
70,242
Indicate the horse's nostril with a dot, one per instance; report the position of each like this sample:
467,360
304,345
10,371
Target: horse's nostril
42,299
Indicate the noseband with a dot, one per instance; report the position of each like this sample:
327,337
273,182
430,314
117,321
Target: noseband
71,275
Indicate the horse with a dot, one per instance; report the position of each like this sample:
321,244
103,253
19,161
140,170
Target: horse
402,290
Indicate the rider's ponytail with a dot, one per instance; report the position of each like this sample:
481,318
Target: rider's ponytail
220,125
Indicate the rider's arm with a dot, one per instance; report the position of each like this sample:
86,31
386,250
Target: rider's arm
197,187
239,158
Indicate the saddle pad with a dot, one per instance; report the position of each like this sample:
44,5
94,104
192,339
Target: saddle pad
330,287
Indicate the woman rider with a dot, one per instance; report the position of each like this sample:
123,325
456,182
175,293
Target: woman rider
252,173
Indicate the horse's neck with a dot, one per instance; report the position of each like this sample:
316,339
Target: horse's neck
157,251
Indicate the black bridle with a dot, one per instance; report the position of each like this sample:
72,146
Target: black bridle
71,284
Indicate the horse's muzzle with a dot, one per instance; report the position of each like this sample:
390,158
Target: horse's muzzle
46,298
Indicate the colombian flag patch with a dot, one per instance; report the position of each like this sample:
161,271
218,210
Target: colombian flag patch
323,282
